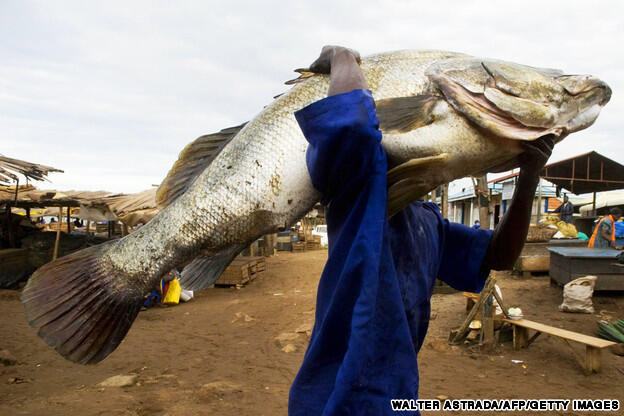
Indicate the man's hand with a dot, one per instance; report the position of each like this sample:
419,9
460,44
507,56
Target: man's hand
343,65
323,63
536,153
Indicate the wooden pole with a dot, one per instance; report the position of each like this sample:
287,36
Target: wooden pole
487,323
539,201
87,230
68,222
482,193
445,200
58,234
594,205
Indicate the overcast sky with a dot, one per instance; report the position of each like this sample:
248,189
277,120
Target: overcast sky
110,92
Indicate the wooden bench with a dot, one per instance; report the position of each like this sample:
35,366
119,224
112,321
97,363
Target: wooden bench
593,345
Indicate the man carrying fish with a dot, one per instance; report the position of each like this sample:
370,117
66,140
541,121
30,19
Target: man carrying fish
373,302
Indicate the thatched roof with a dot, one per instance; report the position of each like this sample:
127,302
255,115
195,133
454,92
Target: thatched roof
131,209
30,197
10,167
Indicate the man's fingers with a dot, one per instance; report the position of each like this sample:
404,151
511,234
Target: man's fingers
543,146
322,65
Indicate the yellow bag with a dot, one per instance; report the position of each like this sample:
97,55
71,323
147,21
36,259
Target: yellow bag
172,297
568,230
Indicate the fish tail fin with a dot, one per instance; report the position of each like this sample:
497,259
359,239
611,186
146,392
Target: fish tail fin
79,307
205,270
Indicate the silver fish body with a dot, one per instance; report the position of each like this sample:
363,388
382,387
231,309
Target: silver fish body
475,116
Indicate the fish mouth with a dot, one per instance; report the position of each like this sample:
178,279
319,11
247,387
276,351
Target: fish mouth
577,85
589,95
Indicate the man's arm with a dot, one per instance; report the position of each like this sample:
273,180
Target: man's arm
509,236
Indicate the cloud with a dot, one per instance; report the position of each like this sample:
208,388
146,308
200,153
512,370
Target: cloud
111,92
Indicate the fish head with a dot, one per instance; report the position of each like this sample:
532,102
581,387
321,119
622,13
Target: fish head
517,101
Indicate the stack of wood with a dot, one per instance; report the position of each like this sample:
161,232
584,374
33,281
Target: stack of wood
241,271
313,242
298,247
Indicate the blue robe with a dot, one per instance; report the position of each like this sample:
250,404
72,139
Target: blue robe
373,301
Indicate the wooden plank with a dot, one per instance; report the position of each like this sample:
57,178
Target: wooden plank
487,327
533,338
593,359
485,293
520,337
562,333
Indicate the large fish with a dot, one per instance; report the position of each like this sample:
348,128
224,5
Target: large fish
443,116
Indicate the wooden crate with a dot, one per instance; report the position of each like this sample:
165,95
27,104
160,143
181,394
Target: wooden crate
241,271
237,273
258,264
298,246
313,245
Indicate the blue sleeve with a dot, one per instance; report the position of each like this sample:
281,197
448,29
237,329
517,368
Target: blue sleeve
343,134
462,257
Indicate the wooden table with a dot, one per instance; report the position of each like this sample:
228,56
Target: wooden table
569,263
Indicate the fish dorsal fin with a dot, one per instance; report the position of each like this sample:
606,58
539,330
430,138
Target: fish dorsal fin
403,114
192,161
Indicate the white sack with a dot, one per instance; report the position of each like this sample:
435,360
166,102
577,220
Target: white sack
577,295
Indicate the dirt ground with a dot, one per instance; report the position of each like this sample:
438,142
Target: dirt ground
222,353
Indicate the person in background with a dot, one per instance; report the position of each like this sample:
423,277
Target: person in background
566,210
477,225
604,233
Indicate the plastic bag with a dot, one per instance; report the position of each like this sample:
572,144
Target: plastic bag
577,295
186,295
172,297
568,230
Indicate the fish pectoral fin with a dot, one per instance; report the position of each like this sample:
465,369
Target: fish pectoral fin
416,167
192,161
413,179
403,114
403,193
205,270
